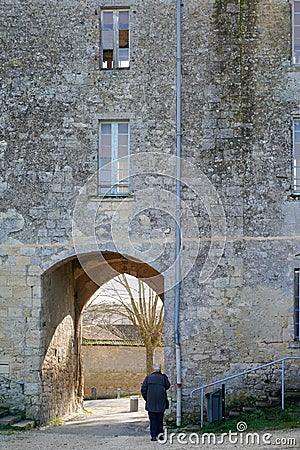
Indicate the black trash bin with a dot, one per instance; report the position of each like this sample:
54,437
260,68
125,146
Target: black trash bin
215,405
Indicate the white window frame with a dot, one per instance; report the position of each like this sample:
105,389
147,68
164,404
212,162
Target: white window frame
117,63
296,156
295,54
119,184
297,304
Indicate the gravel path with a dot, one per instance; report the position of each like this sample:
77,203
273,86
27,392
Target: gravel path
111,426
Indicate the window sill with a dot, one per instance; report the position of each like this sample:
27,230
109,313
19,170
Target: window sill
294,67
295,197
117,69
294,344
112,198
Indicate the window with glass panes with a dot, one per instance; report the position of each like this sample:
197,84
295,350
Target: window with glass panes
296,31
114,158
296,156
296,306
114,39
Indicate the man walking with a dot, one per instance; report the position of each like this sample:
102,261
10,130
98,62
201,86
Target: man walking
154,392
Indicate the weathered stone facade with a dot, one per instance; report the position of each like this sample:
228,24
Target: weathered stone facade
111,367
239,94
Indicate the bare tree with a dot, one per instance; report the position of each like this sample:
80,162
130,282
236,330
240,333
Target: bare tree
135,302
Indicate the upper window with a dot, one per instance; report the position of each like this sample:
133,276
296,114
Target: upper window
114,158
296,156
114,39
296,32
296,306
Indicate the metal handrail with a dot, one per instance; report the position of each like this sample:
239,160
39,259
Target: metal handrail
204,386
12,380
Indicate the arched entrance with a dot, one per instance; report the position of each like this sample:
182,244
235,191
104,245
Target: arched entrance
66,288
123,335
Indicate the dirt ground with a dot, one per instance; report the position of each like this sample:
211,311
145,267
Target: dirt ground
110,425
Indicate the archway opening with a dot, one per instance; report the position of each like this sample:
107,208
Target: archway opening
123,334
66,289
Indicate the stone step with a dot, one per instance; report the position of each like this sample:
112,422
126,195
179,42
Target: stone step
274,400
23,425
249,409
9,420
233,414
262,404
292,394
3,412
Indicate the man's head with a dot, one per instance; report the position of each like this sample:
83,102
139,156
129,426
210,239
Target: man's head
157,367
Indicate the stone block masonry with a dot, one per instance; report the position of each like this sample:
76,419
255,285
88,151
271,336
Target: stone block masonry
239,95
109,368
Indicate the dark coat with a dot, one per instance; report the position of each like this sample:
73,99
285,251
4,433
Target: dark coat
154,391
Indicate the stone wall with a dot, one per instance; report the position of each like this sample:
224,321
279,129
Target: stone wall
241,135
60,375
239,93
108,368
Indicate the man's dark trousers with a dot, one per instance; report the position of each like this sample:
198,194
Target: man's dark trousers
156,423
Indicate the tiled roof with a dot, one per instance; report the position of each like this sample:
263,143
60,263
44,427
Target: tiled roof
115,333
